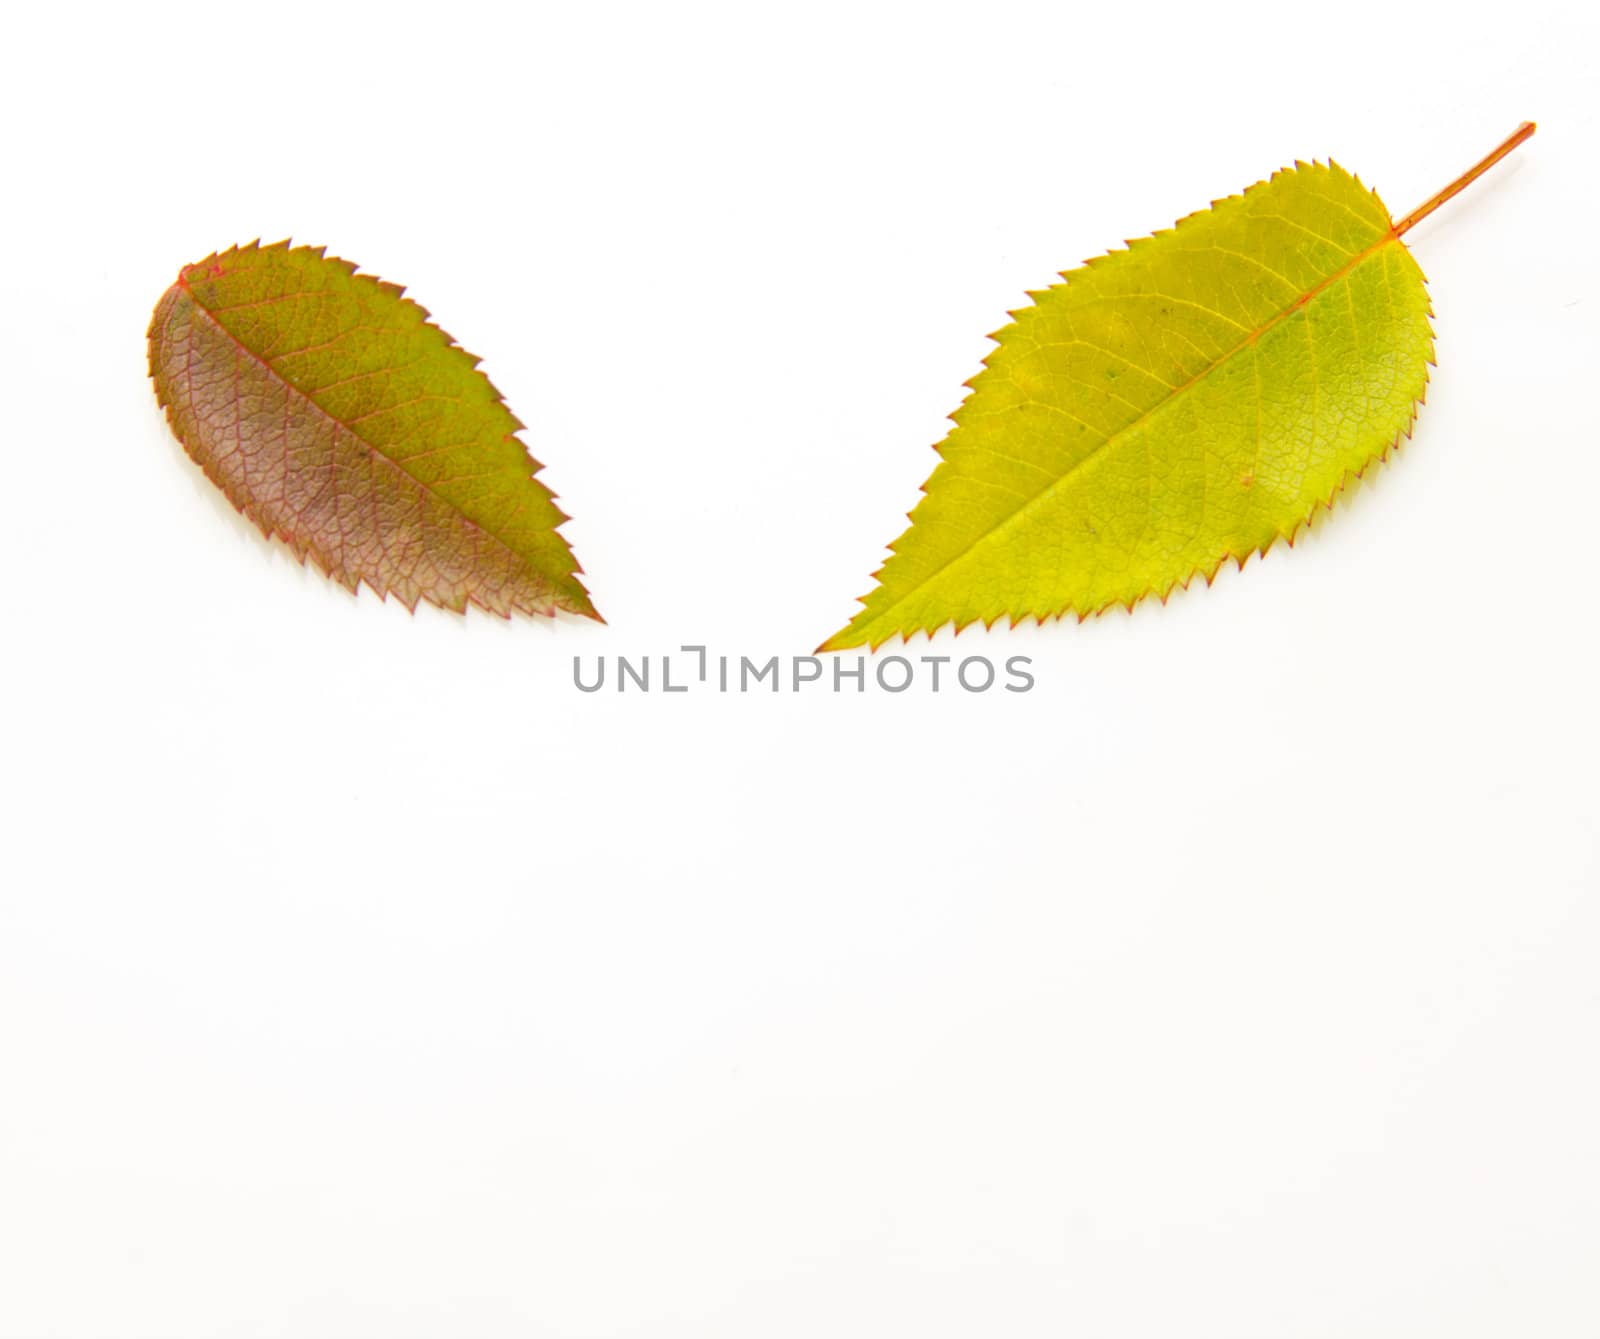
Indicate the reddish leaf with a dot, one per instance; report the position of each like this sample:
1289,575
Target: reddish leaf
336,416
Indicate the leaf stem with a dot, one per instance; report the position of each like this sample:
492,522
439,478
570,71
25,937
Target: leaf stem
1466,179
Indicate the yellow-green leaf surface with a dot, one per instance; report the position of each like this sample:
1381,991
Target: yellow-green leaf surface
336,416
1184,401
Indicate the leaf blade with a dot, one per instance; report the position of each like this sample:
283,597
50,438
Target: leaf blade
335,415
1134,426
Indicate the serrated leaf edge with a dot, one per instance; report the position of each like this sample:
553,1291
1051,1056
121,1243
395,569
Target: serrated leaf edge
297,550
834,643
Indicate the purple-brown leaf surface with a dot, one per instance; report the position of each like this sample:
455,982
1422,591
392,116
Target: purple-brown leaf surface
335,416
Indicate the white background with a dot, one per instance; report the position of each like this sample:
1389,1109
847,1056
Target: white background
358,977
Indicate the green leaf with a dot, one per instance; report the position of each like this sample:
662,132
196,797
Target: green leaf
1190,399
336,416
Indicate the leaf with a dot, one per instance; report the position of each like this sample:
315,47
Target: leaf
1190,399
334,415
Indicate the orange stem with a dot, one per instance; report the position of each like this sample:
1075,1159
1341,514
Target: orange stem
1465,179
